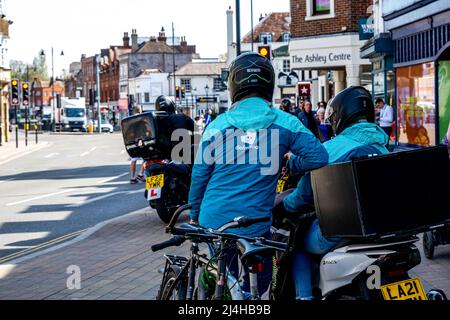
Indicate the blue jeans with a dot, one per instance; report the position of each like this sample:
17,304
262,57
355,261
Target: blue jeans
313,243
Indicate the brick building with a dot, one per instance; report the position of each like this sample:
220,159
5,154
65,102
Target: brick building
156,53
74,81
109,73
88,79
325,45
42,92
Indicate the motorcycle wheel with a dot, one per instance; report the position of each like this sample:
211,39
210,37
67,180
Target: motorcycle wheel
165,214
178,293
428,244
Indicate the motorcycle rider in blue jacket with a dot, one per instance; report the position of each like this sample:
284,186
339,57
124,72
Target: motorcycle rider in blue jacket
237,164
352,115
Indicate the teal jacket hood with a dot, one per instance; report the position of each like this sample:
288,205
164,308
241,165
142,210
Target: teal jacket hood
361,134
251,114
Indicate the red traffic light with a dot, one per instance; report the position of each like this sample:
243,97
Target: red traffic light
264,51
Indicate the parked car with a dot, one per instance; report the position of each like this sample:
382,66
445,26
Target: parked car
105,126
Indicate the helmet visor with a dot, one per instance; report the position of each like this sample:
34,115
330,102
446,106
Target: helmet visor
253,74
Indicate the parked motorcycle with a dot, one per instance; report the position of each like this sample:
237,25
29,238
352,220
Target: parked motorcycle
356,269
167,187
167,183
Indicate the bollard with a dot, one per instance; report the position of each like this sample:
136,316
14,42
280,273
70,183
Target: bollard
36,130
17,137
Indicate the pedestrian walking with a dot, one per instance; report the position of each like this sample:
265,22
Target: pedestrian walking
386,116
308,119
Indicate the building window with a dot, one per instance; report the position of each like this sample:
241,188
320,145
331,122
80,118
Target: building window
287,66
138,99
265,38
217,84
147,97
286,37
321,7
416,105
187,84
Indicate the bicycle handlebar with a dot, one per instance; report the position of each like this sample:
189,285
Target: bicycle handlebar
174,242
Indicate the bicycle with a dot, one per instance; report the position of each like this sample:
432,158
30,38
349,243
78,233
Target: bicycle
180,273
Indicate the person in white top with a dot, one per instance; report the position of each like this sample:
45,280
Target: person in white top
386,116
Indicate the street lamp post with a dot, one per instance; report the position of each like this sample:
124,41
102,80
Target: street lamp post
53,88
207,97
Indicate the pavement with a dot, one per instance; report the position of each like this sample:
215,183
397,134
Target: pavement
116,263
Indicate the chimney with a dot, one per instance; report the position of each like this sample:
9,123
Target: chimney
126,40
162,35
183,42
231,52
261,17
152,39
134,40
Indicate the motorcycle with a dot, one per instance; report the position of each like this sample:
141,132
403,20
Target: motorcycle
167,186
355,269
167,182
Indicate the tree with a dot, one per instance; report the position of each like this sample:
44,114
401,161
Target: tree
28,72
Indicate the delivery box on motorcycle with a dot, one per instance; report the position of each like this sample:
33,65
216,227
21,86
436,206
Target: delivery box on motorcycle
144,135
382,196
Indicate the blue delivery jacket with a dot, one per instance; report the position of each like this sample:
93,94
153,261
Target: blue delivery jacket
359,140
232,175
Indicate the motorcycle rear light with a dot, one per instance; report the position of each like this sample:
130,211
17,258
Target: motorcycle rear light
396,273
258,268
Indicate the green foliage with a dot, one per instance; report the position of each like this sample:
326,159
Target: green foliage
28,72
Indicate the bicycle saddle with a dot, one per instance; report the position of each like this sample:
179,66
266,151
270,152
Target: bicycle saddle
252,254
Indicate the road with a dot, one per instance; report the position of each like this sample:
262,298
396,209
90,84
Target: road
75,183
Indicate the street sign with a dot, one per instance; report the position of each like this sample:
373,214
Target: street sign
207,99
304,89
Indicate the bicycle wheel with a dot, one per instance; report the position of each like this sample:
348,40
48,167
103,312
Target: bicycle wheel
171,292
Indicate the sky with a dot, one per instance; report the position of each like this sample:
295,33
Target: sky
86,26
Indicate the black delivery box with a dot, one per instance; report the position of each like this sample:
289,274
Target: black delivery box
390,195
145,137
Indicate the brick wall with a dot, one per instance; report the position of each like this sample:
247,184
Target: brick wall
347,14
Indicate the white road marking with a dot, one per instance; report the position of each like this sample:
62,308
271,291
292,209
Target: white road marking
112,178
51,155
3,181
40,197
108,195
6,239
86,153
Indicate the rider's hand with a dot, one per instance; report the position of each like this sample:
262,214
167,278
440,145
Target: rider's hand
193,222
288,156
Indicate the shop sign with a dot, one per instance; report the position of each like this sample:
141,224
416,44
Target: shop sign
366,28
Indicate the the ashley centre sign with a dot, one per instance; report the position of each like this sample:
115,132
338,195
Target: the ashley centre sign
321,59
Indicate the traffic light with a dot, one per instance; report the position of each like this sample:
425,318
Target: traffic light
15,101
25,94
264,51
177,92
183,92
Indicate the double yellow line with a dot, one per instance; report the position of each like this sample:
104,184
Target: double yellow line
41,246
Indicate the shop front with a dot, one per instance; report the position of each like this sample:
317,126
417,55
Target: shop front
335,59
422,67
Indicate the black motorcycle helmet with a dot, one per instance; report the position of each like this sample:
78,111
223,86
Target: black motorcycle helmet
166,104
251,73
350,106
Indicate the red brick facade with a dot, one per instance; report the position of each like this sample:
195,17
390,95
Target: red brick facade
347,13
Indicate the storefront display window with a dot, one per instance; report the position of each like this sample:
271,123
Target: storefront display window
444,98
416,105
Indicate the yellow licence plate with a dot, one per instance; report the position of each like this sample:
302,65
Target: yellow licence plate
411,289
280,185
155,182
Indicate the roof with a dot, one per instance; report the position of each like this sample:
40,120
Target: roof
154,47
276,23
201,68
